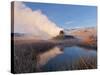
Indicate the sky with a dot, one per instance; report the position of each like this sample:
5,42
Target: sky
42,19
68,16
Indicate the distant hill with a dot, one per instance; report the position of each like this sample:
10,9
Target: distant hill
17,34
79,31
88,36
84,32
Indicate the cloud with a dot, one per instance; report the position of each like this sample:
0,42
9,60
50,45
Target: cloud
28,21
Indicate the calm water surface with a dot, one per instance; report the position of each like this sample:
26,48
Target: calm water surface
66,58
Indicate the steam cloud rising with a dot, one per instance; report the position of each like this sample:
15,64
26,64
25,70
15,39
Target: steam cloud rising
35,22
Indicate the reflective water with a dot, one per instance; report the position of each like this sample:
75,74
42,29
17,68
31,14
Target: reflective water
66,58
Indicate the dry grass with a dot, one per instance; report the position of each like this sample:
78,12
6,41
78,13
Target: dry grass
86,63
26,53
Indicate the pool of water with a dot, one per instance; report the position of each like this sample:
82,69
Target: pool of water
67,58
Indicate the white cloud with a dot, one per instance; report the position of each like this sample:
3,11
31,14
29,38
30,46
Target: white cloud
28,21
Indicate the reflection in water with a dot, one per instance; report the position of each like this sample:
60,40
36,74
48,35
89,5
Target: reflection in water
66,58
46,56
